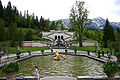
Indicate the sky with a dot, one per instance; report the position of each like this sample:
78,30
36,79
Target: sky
60,9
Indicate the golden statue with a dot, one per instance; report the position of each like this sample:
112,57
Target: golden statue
58,56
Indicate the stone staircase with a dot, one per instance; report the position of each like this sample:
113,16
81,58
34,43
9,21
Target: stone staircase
58,78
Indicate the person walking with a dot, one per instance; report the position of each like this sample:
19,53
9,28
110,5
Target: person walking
37,73
109,56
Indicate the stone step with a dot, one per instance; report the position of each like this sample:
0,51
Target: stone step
58,78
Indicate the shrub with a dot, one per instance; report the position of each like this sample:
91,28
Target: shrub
117,54
11,67
110,67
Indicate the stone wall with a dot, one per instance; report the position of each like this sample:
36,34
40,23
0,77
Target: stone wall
95,78
51,35
87,43
67,78
34,44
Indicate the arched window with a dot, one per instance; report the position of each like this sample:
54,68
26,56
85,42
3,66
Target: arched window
55,37
62,37
59,37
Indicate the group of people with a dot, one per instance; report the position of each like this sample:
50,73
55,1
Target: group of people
108,54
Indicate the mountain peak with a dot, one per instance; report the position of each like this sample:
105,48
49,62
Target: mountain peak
98,23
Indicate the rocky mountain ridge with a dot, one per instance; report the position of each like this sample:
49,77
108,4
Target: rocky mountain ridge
97,23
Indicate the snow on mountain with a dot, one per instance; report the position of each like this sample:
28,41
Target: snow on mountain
97,23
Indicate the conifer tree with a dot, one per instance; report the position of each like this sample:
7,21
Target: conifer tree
118,34
9,14
1,10
20,37
108,33
2,30
13,33
28,36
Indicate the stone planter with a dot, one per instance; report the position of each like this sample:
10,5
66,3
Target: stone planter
10,76
66,51
29,52
88,52
18,56
51,50
111,75
42,51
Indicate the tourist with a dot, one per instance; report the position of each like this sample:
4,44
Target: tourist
37,73
109,56
102,53
107,52
99,53
75,51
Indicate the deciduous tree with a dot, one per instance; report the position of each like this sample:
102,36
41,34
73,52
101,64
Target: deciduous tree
79,19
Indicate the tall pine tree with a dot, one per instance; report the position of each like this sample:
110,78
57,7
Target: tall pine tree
108,33
1,10
2,30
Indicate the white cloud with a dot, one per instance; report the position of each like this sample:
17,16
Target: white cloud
58,9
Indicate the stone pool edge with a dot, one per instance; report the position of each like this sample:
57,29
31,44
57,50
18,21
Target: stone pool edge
78,77
71,78
34,55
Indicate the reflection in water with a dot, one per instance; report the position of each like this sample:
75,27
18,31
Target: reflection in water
71,66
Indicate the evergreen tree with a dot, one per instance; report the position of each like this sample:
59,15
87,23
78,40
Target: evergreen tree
13,33
1,10
7,35
108,33
53,26
37,22
15,14
28,36
118,34
28,20
22,21
8,14
2,30
20,37
62,27
33,21
47,25
42,23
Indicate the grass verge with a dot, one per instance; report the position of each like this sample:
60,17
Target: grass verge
91,49
26,49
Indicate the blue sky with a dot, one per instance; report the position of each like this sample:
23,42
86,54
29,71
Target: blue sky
60,9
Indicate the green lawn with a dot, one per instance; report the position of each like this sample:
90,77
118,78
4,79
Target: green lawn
91,49
27,29
26,49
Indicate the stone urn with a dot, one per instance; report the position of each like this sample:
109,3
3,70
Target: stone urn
88,52
10,76
112,75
